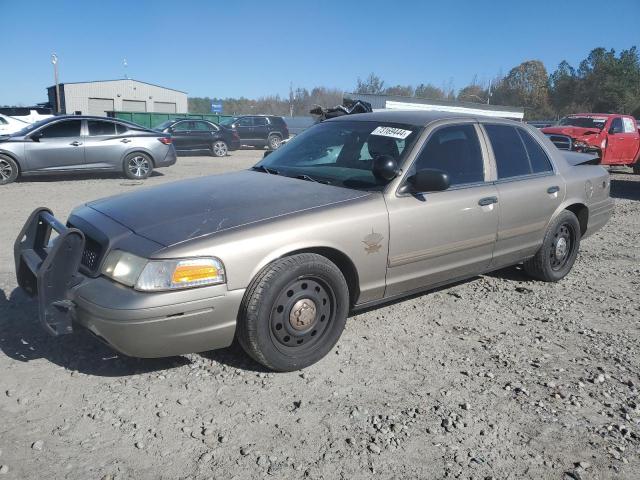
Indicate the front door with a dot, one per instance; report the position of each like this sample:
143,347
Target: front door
181,133
57,146
245,129
616,143
440,236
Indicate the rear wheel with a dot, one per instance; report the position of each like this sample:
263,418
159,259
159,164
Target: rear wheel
137,166
293,312
559,249
219,148
8,170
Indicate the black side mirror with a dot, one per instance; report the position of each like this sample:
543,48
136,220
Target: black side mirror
267,153
427,180
385,167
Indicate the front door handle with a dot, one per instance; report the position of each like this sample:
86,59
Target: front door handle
125,140
483,202
76,143
554,189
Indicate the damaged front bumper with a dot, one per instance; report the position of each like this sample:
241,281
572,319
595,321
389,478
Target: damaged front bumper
138,324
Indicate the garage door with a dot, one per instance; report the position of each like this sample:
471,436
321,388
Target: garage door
164,107
134,106
100,106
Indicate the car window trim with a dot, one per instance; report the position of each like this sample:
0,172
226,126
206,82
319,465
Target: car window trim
483,151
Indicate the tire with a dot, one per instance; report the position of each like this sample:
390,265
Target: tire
558,251
273,142
9,170
293,312
219,148
137,166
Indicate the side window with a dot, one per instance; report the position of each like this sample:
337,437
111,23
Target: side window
120,128
98,128
3,121
183,126
202,126
455,150
537,156
68,128
245,122
628,125
259,121
508,149
616,126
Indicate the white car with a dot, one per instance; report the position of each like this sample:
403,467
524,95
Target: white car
27,114
10,125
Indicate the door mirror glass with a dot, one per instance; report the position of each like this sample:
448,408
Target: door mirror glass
385,167
427,180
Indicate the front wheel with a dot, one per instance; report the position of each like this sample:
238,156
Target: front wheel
219,149
137,166
8,170
274,141
294,312
558,251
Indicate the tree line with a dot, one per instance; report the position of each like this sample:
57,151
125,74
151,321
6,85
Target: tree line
604,82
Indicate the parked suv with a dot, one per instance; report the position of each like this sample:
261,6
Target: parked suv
260,130
191,135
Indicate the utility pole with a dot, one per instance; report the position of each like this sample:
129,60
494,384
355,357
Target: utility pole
291,98
489,92
54,62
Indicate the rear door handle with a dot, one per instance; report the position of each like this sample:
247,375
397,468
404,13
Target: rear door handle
483,202
554,189
125,140
76,143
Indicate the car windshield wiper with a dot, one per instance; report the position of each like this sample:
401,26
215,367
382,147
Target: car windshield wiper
262,168
309,178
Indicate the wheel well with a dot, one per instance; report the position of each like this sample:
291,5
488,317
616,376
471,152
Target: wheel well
14,159
343,262
274,134
582,212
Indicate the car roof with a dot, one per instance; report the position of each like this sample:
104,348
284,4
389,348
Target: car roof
418,118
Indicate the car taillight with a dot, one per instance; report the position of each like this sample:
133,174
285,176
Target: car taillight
165,140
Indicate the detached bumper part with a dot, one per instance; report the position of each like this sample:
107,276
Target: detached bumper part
49,270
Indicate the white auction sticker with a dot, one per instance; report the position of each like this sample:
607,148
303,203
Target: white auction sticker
391,132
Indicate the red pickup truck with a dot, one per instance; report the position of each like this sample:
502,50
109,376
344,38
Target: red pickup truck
614,138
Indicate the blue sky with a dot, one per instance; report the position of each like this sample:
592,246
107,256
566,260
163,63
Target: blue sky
254,48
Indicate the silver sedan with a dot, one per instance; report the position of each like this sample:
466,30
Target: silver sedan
81,144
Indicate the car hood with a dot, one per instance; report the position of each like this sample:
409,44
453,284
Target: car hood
573,132
180,211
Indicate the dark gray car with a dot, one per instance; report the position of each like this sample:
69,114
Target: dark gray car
82,143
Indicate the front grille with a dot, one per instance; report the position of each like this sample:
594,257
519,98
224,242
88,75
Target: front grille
563,142
91,254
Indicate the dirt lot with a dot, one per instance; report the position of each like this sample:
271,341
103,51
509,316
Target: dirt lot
497,377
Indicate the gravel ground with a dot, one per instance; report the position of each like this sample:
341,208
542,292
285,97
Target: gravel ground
496,377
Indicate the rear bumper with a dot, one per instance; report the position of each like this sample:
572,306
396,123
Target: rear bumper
138,324
169,159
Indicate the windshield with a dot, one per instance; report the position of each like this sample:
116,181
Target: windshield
584,122
341,153
30,128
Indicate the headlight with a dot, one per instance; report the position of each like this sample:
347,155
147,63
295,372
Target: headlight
157,275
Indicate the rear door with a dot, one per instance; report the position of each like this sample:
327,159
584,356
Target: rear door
261,128
202,135
103,147
529,191
57,146
244,127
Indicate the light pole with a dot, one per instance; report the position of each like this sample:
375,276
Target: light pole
54,62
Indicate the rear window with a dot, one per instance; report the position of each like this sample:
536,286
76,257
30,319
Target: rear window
15,111
537,156
277,121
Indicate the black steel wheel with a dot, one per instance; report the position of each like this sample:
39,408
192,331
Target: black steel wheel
294,312
8,170
559,249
